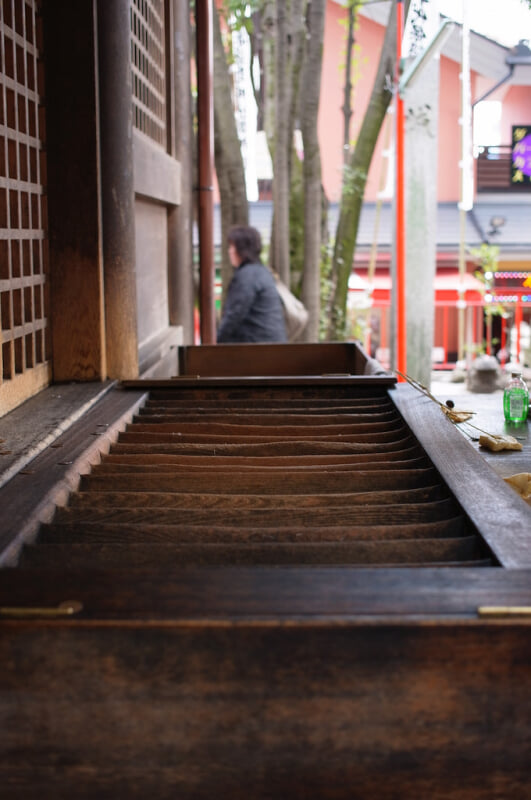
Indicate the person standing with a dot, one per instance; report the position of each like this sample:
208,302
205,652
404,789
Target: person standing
252,311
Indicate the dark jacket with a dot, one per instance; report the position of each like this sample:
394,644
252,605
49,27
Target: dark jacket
253,311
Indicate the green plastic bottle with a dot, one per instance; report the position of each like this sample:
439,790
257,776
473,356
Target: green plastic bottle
516,399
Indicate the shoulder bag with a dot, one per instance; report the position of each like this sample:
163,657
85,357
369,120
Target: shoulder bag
295,312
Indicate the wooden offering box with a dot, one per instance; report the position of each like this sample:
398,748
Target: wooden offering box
280,360
289,577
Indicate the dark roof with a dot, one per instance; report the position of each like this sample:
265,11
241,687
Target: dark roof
514,238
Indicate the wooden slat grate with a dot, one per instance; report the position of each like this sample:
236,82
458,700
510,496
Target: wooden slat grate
148,68
212,476
23,246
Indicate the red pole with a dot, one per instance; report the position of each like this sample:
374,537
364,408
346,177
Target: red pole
367,342
518,322
503,341
205,130
445,333
489,333
400,211
383,328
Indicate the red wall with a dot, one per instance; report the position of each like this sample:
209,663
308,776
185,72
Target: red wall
516,110
449,131
369,38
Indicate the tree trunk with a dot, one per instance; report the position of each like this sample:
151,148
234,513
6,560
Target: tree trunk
310,92
281,156
421,212
267,37
356,178
347,103
229,163
180,222
282,38
281,159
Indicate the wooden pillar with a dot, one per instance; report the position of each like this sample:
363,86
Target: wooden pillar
180,218
73,191
114,51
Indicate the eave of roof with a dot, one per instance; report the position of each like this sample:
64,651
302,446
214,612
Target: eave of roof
514,238
487,56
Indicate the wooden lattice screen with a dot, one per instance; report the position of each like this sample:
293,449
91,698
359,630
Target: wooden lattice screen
23,246
148,67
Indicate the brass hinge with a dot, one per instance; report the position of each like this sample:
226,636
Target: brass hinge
504,611
65,609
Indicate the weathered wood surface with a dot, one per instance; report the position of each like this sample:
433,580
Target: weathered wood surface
276,360
250,465
246,483
166,433
506,462
328,595
420,551
136,554
271,518
215,656
270,713
417,531
276,683
503,518
215,533
374,417
32,495
138,445
257,501
73,184
168,424
165,464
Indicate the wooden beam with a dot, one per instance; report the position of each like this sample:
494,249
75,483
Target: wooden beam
157,175
72,152
114,54
320,683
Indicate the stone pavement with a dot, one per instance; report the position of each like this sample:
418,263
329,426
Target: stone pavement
444,388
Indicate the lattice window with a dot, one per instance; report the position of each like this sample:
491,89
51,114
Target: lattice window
23,246
148,67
